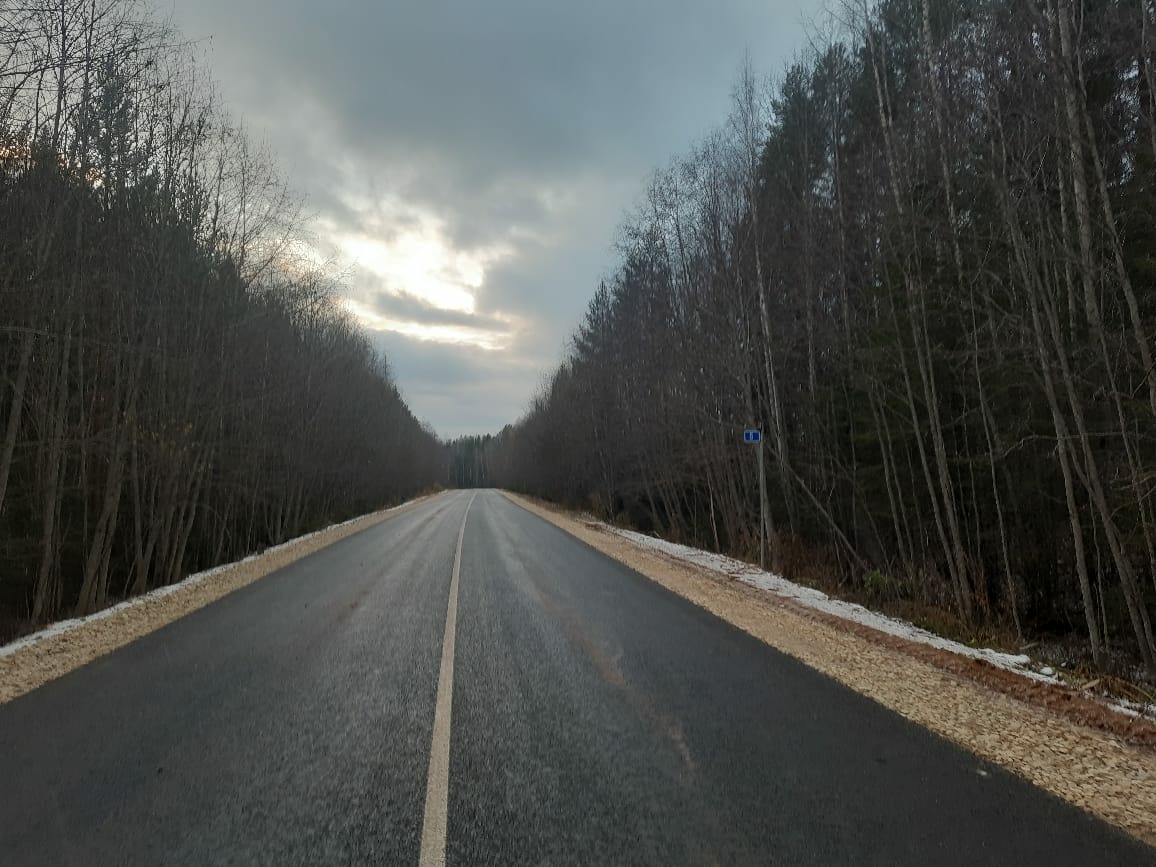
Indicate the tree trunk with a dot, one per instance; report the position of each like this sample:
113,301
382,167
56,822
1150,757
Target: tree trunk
12,429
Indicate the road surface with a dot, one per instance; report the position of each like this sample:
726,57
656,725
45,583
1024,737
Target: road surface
586,716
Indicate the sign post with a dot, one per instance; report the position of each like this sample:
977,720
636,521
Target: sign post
756,436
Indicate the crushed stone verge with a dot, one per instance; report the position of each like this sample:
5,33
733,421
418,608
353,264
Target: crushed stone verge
1087,706
1073,747
62,647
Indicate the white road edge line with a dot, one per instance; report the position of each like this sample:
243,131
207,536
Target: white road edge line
437,791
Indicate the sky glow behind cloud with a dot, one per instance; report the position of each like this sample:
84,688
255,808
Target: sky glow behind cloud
467,164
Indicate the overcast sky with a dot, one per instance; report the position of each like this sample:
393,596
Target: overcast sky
467,163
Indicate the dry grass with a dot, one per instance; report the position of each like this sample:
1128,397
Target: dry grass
36,663
1095,769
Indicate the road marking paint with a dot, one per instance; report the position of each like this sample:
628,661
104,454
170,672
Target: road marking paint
437,791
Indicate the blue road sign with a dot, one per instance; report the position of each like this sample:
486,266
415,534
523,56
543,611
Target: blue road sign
752,436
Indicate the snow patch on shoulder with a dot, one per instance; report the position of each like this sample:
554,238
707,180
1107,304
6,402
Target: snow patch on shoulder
816,599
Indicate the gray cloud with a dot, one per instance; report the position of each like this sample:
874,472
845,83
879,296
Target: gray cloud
520,124
463,389
404,307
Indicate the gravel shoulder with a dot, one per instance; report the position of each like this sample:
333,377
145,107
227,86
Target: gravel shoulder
63,647
1070,746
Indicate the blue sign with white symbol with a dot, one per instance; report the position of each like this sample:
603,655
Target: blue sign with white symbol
752,436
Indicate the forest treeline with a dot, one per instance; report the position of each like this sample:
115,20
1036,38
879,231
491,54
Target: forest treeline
923,262
177,389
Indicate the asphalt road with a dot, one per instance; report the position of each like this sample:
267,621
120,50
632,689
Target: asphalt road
596,719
